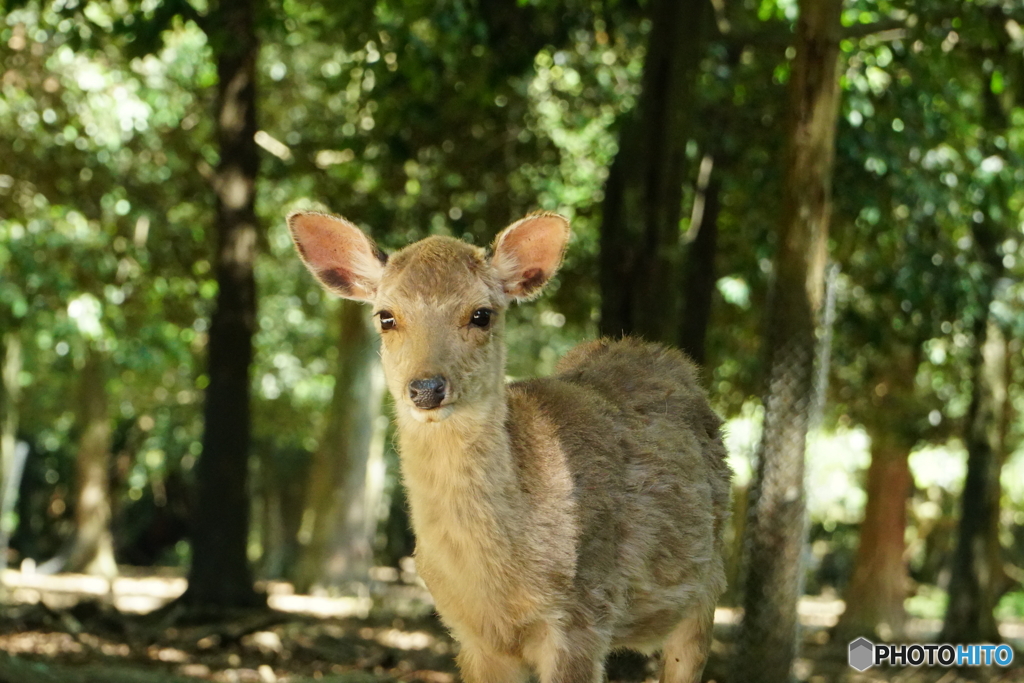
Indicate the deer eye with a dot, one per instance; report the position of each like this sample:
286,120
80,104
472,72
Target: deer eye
481,318
387,320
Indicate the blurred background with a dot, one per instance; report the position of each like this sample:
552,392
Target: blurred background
150,150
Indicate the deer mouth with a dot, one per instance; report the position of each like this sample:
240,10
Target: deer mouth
438,414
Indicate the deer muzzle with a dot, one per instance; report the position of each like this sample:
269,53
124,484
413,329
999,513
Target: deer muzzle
428,393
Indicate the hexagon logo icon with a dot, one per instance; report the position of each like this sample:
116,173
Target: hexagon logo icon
862,654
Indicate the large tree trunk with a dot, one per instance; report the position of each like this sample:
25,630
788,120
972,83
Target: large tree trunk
776,522
701,274
640,241
878,586
340,520
220,575
977,577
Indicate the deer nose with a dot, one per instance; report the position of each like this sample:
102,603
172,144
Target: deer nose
427,393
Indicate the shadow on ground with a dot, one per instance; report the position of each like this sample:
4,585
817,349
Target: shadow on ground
56,635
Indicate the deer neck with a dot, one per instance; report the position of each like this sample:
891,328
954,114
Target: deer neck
471,443
461,465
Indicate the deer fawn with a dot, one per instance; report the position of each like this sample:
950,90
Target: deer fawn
556,519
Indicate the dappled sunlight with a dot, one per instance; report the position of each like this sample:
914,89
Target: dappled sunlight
141,594
40,643
167,654
321,606
128,593
835,460
405,640
127,160
344,637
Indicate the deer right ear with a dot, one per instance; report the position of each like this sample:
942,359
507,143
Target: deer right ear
341,256
528,252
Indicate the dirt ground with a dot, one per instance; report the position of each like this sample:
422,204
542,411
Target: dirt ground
67,629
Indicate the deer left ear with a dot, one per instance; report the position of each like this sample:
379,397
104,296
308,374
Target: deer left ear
341,256
528,252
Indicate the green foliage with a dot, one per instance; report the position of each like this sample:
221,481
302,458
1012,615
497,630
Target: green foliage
105,225
417,118
929,603
98,247
1011,606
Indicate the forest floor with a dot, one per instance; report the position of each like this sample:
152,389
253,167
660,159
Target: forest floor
77,629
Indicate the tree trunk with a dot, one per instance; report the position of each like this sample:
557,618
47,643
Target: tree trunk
399,541
734,562
93,549
700,273
878,586
340,517
776,522
220,575
977,577
701,276
282,492
640,239
12,459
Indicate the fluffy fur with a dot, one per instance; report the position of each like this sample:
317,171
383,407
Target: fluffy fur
556,518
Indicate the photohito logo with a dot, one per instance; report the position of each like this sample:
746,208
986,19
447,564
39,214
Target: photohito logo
864,654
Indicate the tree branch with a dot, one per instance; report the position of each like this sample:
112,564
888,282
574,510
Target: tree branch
884,26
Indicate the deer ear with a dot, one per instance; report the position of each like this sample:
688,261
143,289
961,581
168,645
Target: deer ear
341,256
528,252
